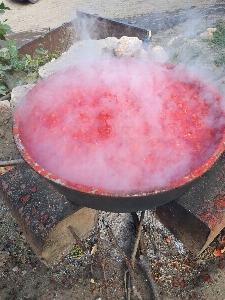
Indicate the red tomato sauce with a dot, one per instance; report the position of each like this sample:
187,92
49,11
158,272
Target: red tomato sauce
123,125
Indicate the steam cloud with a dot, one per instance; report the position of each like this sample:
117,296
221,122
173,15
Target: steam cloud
125,124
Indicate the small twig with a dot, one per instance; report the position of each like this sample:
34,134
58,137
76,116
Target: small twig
144,265
128,287
11,162
125,283
130,269
142,248
78,240
137,239
120,250
142,261
102,264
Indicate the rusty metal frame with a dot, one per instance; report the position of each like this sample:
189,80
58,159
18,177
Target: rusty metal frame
101,28
98,28
57,39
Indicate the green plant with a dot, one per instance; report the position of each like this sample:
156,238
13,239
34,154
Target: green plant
220,61
174,58
40,58
4,28
217,42
218,38
15,68
187,52
77,252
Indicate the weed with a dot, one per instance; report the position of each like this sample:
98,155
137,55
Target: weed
187,52
217,42
77,252
220,61
15,68
218,39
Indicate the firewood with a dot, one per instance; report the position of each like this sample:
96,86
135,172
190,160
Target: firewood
44,215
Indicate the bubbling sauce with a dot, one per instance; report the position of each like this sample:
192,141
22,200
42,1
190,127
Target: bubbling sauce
122,125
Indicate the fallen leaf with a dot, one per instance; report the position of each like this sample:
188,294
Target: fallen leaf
182,284
25,198
174,264
94,249
5,169
33,189
217,252
206,278
169,240
23,186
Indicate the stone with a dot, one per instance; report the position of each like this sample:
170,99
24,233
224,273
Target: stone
2,133
158,54
5,103
111,43
3,258
176,41
208,33
129,46
18,93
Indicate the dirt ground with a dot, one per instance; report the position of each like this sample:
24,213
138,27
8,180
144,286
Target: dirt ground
100,273
24,16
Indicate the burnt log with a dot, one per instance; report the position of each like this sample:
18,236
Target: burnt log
198,216
45,216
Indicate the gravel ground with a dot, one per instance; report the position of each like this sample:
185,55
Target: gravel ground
51,14
28,21
176,272
99,273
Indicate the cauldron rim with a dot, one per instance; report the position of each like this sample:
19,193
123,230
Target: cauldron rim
198,172
173,185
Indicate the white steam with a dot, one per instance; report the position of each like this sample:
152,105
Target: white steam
125,124
119,124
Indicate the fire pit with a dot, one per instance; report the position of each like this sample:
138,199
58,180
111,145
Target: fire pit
121,135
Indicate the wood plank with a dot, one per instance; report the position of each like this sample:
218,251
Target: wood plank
43,214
